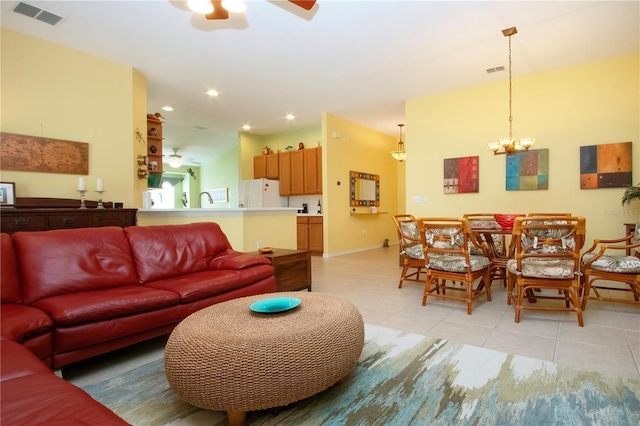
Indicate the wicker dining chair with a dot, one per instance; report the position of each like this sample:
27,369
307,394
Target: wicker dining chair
496,244
608,270
410,248
547,257
448,260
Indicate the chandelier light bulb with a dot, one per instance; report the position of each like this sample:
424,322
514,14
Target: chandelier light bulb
234,6
200,6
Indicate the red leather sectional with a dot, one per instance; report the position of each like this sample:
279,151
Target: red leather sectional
68,295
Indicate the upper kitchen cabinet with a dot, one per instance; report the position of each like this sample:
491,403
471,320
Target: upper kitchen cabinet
291,173
313,171
266,166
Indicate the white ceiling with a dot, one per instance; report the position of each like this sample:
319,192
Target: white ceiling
358,59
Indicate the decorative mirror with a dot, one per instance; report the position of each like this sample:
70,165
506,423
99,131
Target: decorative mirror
365,189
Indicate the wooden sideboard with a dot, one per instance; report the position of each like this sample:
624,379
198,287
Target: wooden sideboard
43,214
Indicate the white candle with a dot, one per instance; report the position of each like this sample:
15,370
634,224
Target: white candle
82,184
99,186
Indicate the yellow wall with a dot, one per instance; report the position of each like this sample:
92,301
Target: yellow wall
360,149
61,93
591,104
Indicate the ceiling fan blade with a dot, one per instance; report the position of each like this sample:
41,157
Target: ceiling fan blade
219,12
305,4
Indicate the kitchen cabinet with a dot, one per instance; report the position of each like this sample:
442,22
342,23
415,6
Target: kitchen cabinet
312,171
291,172
266,166
309,234
300,172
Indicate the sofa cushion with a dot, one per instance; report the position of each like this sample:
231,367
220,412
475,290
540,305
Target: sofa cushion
53,263
168,251
45,398
20,322
17,361
231,259
10,291
205,284
101,305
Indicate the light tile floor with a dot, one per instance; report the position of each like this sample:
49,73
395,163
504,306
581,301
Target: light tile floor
608,342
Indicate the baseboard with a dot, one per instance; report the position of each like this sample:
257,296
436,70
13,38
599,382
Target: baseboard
357,250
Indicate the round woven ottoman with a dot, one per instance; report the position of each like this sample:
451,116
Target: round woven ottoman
229,358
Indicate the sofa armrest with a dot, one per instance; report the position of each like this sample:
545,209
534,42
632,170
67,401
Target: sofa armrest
231,259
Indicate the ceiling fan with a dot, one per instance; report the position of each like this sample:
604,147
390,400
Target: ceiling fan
219,9
175,160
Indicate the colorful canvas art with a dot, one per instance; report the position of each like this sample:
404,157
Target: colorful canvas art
528,170
461,175
605,166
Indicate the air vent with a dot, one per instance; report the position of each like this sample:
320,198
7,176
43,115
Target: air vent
199,127
495,69
37,13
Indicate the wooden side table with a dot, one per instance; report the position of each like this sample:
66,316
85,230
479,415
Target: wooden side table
292,268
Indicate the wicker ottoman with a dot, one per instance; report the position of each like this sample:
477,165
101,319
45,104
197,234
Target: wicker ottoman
229,358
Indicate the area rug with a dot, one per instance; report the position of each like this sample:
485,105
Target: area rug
408,379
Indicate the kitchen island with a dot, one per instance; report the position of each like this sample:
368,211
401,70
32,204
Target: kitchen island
246,228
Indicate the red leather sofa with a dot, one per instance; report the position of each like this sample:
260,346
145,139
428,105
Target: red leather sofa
68,295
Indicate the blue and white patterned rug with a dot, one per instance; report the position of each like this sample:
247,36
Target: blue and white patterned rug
409,379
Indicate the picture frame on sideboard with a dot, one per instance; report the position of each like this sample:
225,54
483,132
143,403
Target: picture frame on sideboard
7,194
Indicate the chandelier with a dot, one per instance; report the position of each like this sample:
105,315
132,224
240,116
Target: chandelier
400,154
509,144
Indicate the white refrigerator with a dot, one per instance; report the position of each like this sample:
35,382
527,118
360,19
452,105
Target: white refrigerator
257,193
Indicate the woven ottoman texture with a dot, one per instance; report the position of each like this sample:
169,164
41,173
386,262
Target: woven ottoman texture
229,358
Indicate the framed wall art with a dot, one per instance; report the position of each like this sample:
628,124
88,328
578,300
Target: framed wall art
528,170
7,194
220,195
606,166
25,153
461,175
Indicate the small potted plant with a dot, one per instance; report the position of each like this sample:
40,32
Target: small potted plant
631,193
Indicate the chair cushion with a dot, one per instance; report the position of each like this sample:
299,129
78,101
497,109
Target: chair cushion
410,229
453,263
618,264
535,267
455,243
414,252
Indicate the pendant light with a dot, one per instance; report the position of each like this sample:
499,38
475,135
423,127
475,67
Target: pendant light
400,154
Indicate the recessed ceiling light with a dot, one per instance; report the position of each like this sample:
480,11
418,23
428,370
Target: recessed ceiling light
246,127
290,116
213,92
167,108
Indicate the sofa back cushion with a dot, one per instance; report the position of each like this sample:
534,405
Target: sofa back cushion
9,279
63,261
168,251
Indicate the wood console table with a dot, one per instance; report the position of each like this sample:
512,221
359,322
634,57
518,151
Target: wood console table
43,214
292,268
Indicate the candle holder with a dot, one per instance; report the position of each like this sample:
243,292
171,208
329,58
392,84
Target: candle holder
82,203
100,205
